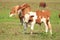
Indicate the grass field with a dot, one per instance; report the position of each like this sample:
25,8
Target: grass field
10,29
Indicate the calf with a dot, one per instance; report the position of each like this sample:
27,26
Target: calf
38,17
20,10
24,8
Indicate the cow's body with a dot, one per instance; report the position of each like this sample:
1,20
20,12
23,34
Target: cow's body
23,9
38,17
41,14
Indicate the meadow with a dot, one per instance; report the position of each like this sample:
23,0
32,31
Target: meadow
10,28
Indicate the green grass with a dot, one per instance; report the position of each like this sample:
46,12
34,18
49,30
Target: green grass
10,29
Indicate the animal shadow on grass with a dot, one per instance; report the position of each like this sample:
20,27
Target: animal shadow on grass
32,33
36,33
42,34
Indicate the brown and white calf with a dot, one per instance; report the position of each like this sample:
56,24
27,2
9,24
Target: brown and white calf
38,17
21,10
24,8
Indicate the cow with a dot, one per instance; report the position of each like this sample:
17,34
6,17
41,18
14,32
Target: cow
42,4
20,10
38,17
16,9
59,15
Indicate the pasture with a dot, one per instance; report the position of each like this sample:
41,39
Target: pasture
10,29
